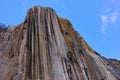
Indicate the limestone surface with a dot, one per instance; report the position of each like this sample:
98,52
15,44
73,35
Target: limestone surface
46,47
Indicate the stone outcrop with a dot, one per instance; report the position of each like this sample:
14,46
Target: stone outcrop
113,66
46,47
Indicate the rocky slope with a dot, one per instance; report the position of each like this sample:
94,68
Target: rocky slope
46,47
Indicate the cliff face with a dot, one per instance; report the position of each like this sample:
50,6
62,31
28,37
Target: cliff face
46,47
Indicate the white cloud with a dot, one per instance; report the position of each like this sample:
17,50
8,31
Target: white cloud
107,20
104,22
104,19
113,17
110,15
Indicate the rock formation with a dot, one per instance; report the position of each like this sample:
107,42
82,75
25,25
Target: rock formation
46,47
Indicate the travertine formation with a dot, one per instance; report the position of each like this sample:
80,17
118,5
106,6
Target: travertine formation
46,47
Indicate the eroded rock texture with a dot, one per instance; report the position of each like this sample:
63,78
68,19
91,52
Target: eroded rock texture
46,47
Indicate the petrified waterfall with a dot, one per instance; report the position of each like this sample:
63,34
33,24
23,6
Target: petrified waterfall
46,47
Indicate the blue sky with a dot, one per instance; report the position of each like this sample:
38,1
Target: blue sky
98,21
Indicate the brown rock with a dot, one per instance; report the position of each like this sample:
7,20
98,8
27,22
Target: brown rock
46,47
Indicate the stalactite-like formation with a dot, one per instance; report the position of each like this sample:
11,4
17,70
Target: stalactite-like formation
46,47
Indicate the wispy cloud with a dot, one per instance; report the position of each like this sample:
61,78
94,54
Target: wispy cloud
110,15
113,17
104,22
